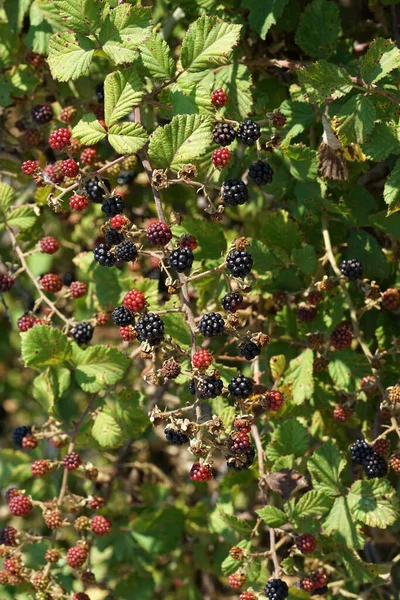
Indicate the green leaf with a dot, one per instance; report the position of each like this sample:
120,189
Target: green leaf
382,142
382,57
339,523
159,532
289,437
122,91
391,192
98,366
325,466
322,80
235,522
301,161
45,389
182,141
6,197
208,43
318,31
82,16
157,59
280,231
264,259
374,502
301,375
355,120
127,138
23,82
190,100
89,131
125,29
272,516
305,258
106,431
14,466
108,286
45,20
70,56
264,14
209,236
237,81
15,13
21,217
312,504
44,346
299,117
340,372
177,327
231,565
368,251
129,413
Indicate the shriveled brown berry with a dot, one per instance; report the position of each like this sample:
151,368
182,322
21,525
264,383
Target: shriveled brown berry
237,553
315,340
170,369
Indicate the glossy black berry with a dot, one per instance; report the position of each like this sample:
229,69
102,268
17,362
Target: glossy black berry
181,259
248,133
113,206
42,113
352,269
126,251
100,92
239,263
243,461
113,237
104,256
211,324
122,316
250,350
234,192
68,278
240,386
125,177
359,451
207,387
232,302
276,589
223,134
260,172
82,332
19,433
375,466
175,437
94,191
150,328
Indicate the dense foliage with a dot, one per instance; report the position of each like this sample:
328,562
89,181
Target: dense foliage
200,299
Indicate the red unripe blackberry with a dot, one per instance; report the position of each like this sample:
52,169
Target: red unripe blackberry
78,203
51,283
102,318
314,298
368,385
247,595
81,596
382,447
95,502
188,241
274,400
12,493
219,98
52,173
237,580
277,119
67,114
127,333
78,289
69,167
158,234
40,581
32,137
72,461
306,543
26,322
319,580
59,138
49,245
35,59
307,584
13,565
395,463
29,166
6,282
40,321
88,156
8,536
220,158
320,363
391,299
200,472
42,113
134,300
100,525
306,313
53,519
243,423
118,222
20,506
341,413
76,557
341,337
239,442
40,468
202,359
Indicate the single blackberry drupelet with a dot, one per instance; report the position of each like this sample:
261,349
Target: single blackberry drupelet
113,237
223,134
276,589
211,324
240,386
249,350
122,316
352,269
231,302
126,251
260,172
42,113
94,191
175,437
158,234
375,466
19,433
181,259
234,192
208,387
239,263
359,451
248,133
150,328
103,255
113,206
82,332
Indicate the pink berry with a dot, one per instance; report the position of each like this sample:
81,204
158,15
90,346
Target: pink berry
70,168
202,359
59,138
49,245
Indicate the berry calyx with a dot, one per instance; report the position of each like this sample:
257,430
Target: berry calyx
219,98
158,234
49,245
29,166
70,167
306,543
78,203
72,461
200,472
220,158
352,269
59,138
134,300
100,525
202,359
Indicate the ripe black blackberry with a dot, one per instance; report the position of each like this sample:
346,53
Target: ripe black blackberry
19,433
103,255
223,134
276,589
352,269
181,259
248,133
249,350
239,262
82,332
240,386
243,461
113,206
175,437
375,466
234,192
150,328
208,387
94,191
211,324
126,251
122,316
260,172
99,91
42,113
232,302
113,237
359,451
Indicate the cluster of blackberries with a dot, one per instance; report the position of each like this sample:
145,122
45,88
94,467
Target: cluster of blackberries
373,464
247,133
19,433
